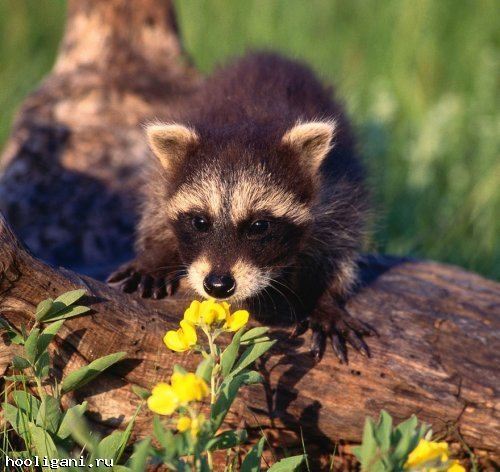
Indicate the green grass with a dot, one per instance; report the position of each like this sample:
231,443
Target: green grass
419,79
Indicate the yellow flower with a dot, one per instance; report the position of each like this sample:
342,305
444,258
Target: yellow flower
185,423
237,320
182,339
427,451
183,388
206,313
211,312
226,307
456,467
192,314
163,399
189,387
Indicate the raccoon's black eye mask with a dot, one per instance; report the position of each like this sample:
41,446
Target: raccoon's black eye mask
255,228
258,228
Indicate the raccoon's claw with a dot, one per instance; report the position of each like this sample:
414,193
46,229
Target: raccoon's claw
339,347
300,328
119,275
145,286
128,279
341,329
318,344
130,283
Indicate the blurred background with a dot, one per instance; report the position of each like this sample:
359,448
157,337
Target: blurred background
419,79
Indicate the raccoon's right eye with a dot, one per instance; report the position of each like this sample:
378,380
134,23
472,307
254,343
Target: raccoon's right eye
200,223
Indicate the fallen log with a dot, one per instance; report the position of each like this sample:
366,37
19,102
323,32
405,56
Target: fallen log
438,353
69,174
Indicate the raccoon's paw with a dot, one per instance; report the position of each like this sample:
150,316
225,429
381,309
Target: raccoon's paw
340,328
129,279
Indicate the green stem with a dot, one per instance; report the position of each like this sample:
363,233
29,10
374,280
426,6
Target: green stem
213,355
41,391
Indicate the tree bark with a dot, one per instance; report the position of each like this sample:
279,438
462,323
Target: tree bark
438,353
69,176
71,169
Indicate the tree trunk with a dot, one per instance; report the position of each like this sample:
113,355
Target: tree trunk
71,168
70,171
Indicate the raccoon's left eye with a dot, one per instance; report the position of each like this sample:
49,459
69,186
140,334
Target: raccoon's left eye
258,228
200,223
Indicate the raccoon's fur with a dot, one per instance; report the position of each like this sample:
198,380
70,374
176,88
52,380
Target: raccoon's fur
257,196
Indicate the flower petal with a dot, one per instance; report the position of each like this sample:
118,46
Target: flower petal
188,333
220,311
192,314
427,451
189,387
456,467
237,320
163,400
226,307
174,340
183,423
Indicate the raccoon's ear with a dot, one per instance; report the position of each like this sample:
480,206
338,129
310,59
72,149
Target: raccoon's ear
170,142
311,141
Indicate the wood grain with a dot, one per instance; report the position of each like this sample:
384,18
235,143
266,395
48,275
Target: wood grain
437,354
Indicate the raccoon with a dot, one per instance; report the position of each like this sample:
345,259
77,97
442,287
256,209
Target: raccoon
257,196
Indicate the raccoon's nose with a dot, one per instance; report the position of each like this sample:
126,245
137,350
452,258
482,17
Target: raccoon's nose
219,286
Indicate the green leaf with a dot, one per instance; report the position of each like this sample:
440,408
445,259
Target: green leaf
165,438
227,439
142,393
251,354
71,297
17,378
31,345
288,464
44,445
205,368
110,446
17,419
27,403
405,439
139,458
42,365
49,414
357,451
252,377
254,333
255,341
228,357
81,433
63,307
126,436
179,369
66,426
251,462
65,313
383,431
368,449
20,363
225,397
13,335
43,308
80,377
48,335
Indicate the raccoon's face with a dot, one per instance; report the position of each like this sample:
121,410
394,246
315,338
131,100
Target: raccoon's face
240,212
